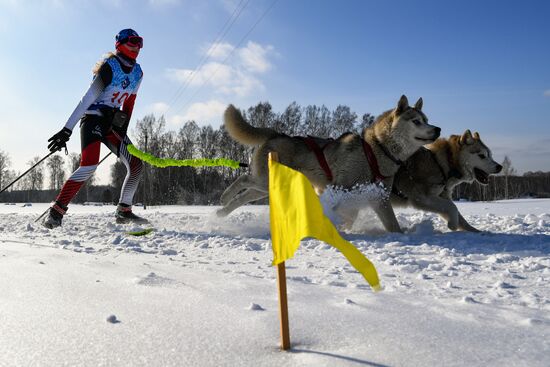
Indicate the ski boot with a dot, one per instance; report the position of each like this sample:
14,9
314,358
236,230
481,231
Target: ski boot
124,215
55,216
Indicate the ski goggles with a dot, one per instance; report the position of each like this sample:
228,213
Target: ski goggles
134,41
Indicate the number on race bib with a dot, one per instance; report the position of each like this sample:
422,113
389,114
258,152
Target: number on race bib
121,99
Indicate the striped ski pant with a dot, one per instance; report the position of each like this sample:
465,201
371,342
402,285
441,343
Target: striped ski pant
95,130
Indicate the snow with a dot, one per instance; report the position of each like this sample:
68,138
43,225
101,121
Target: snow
200,291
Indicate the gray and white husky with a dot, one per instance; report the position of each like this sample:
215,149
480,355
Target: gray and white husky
427,178
393,137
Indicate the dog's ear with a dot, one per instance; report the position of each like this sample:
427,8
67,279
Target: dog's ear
402,105
466,138
418,104
476,136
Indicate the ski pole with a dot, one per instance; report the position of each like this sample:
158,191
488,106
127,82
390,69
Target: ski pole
27,171
43,214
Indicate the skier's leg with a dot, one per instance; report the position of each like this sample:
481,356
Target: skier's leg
88,165
90,141
134,168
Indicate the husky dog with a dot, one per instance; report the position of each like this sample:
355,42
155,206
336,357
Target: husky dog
344,162
427,178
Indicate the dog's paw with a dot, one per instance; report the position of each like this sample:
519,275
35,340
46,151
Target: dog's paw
452,226
220,213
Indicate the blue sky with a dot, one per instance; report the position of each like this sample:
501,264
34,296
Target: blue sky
482,65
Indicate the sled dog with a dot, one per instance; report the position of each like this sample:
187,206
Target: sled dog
427,178
352,159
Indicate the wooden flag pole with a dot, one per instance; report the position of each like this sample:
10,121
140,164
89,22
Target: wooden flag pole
281,281
283,306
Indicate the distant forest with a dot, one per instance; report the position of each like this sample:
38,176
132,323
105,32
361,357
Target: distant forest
203,186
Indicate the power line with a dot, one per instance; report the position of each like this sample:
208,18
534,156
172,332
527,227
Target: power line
221,34
213,45
229,56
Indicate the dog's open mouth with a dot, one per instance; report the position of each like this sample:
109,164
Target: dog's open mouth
481,176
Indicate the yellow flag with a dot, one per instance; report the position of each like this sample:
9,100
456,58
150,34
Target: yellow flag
296,213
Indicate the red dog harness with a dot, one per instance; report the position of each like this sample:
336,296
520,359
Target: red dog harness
313,146
367,149
373,163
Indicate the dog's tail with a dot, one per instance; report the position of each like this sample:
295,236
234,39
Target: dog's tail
242,131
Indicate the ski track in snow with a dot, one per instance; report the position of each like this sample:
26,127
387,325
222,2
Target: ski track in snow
508,265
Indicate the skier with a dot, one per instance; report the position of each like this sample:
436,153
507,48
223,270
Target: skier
117,77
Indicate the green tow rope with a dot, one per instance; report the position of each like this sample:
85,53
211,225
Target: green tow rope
141,233
169,162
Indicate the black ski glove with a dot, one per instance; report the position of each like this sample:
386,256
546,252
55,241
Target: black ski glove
59,140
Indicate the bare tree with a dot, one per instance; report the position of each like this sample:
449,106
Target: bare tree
317,122
5,164
10,176
343,120
57,174
149,132
34,180
366,121
507,171
73,161
291,119
188,136
208,137
261,115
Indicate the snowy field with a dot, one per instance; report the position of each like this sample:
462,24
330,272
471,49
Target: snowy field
200,291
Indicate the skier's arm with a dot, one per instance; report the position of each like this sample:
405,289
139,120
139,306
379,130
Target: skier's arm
102,79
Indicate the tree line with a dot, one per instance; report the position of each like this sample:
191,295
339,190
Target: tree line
503,187
203,186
